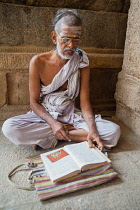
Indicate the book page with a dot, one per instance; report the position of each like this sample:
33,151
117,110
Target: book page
83,155
59,163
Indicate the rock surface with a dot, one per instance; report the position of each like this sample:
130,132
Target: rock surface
128,86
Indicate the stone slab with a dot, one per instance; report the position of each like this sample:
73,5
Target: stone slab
121,31
128,86
128,91
8,111
98,5
3,89
24,25
102,87
129,117
126,5
104,30
18,88
105,60
27,49
131,64
38,49
17,61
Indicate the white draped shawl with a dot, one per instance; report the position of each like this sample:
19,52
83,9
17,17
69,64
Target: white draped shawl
56,102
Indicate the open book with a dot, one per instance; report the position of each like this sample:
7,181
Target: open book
72,159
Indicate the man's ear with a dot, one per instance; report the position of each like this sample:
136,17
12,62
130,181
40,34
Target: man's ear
53,34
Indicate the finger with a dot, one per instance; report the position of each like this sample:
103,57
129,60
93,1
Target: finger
65,135
99,143
59,136
90,141
100,146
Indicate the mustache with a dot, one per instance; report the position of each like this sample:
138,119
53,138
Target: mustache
69,49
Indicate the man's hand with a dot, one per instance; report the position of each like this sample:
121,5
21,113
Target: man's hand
60,131
94,140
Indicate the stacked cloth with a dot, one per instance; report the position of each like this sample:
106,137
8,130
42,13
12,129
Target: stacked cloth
46,189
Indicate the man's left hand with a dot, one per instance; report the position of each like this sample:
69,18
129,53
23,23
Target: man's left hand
94,140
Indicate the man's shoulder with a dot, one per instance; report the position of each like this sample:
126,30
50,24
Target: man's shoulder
41,57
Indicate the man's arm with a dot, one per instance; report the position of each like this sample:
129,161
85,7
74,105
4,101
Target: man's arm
93,135
36,65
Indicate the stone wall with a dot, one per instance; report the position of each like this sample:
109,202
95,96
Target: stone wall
96,5
22,25
128,86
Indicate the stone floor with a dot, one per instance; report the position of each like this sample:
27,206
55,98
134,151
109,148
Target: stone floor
122,193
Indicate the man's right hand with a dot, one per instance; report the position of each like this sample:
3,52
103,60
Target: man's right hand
60,131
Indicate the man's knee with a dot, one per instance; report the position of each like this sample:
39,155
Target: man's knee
111,135
11,131
115,134
7,127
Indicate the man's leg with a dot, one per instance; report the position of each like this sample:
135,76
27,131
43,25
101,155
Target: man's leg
78,135
29,129
108,131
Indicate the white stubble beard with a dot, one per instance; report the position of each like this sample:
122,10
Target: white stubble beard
64,57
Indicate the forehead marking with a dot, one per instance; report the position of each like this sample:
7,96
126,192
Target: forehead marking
73,29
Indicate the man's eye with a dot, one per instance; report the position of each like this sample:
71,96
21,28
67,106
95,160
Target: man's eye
65,39
76,41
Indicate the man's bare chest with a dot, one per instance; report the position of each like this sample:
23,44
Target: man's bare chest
47,75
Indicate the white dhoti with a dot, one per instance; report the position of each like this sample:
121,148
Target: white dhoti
30,129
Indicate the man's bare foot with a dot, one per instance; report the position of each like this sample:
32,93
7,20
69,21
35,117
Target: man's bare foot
34,146
69,127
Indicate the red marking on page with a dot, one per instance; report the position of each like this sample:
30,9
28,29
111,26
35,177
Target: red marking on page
57,155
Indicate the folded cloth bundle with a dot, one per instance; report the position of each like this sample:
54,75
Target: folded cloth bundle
46,188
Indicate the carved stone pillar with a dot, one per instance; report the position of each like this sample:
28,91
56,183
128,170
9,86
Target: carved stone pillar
128,86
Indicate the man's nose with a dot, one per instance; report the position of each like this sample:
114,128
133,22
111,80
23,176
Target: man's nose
71,44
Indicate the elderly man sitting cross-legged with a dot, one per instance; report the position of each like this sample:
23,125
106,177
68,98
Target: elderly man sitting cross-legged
55,80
